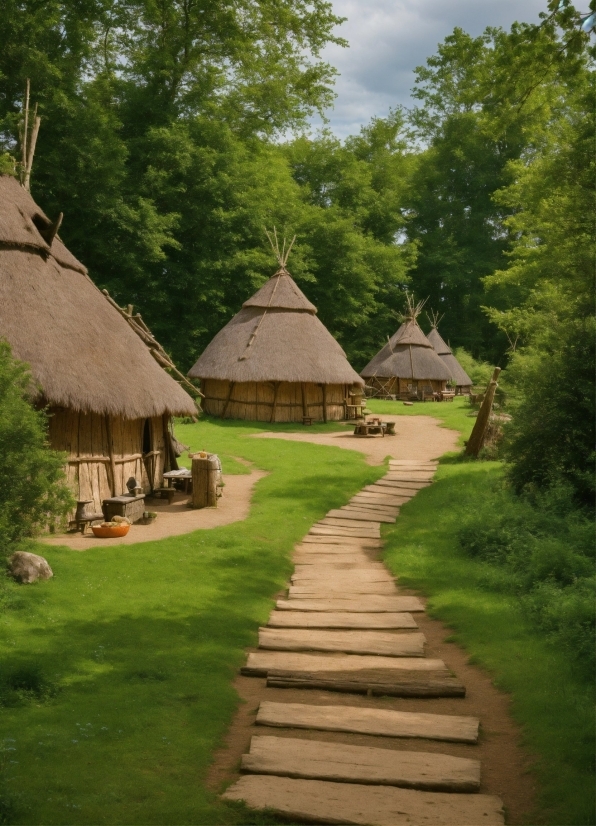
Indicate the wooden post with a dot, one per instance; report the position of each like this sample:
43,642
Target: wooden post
204,482
304,407
111,455
325,403
476,439
230,391
275,389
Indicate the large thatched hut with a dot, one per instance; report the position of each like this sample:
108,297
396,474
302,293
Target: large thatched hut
407,365
110,401
458,376
275,361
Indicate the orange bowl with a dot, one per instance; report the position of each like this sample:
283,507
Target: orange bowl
107,533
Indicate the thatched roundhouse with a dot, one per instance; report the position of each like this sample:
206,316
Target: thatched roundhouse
463,383
406,366
110,401
275,361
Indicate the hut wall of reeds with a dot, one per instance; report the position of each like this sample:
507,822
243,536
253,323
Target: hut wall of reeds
275,361
407,365
458,376
109,400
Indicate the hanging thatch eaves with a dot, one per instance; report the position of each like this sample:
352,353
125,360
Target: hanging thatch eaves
275,361
457,373
82,354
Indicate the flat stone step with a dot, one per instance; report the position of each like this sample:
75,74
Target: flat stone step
413,463
348,642
322,619
331,564
357,559
338,531
399,488
360,605
408,479
345,541
316,573
345,522
340,762
372,682
358,515
378,721
354,804
372,510
347,589
377,497
259,663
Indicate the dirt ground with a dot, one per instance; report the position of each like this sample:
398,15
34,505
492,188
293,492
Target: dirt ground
177,518
505,765
416,437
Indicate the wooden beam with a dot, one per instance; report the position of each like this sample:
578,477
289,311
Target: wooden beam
111,455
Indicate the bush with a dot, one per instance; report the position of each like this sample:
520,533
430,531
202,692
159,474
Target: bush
544,546
479,371
33,491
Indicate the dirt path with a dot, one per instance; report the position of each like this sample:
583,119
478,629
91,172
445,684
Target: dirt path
306,790
416,437
177,518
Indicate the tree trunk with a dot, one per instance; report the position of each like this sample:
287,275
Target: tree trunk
478,435
204,482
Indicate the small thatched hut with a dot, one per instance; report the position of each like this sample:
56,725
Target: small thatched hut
407,365
109,399
275,361
463,383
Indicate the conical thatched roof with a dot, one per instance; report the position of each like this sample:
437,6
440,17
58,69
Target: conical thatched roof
407,355
458,374
276,336
83,355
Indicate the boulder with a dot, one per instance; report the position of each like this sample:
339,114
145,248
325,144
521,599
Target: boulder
27,568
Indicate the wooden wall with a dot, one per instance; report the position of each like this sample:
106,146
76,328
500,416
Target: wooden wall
274,401
104,452
399,387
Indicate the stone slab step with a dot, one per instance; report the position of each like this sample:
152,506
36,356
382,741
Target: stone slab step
355,804
356,560
385,643
331,576
259,663
409,480
322,619
377,497
344,522
372,682
314,567
358,515
340,531
345,541
363,604
378,721
340,762
390,511
347,589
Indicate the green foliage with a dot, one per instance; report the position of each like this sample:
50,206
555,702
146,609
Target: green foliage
32,488
479,371
532,642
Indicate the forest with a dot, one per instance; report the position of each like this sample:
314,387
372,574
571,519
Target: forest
173,132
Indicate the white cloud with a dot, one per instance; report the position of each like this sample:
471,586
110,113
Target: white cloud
389,38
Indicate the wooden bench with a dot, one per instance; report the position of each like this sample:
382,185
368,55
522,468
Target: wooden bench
131,507
307,420
165,493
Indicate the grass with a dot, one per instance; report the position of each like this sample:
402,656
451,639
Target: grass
457,414
116,674
552,702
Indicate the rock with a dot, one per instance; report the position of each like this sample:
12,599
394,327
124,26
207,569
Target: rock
27,568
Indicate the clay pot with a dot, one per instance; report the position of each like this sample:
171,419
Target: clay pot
108,533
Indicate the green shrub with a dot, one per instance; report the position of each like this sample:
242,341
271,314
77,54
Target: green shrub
33,492
479,371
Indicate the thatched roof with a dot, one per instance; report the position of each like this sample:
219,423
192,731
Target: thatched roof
458,374
82,354
276,336
407,355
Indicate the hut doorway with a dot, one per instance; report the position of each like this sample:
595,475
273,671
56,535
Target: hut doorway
149,452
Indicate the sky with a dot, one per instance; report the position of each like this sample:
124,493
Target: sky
389,38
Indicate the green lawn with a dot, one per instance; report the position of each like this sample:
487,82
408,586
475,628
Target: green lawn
116,674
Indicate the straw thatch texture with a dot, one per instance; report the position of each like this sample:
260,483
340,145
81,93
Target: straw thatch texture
275,361
82,353
458,374
407,355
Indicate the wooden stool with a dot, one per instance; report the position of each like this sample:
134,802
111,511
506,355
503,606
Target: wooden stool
165,493
83,517
307,419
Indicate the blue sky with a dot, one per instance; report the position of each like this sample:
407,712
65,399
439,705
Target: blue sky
389,38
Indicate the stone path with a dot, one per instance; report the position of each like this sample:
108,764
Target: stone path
345,628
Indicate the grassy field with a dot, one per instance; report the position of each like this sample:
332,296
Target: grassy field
116,674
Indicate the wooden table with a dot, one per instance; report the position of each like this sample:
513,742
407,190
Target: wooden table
374,429
132,507
184,475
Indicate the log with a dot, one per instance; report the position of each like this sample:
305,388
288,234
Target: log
322,619
478,434
204,482
373,683
259,663
385,643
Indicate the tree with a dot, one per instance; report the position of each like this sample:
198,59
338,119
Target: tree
33,491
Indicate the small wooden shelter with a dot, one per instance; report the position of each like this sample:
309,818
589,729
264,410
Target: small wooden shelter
407,366
275,361
109,398
458,376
